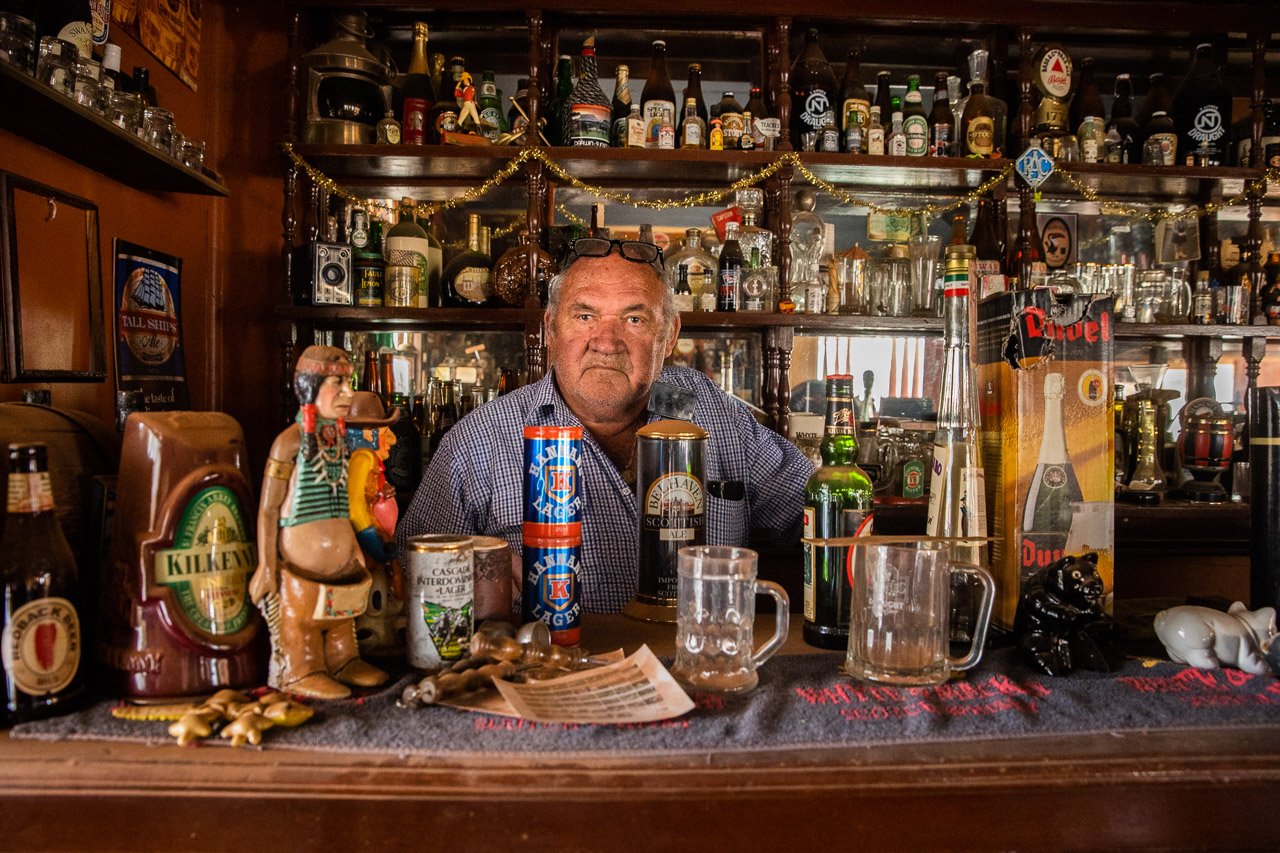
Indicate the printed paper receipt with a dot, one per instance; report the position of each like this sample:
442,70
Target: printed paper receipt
637,689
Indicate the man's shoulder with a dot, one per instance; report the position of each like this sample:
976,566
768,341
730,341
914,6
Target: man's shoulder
687,377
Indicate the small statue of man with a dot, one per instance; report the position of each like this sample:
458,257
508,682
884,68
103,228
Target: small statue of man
311,581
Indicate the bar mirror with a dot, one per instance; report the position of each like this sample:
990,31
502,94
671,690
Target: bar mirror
50,284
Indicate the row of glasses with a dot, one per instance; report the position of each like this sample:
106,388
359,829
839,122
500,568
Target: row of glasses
1119,280
902,284
60,67
18,41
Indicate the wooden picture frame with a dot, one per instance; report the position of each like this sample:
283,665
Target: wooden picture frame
50,284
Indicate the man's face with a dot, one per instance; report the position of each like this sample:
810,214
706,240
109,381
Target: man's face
334,399
607,340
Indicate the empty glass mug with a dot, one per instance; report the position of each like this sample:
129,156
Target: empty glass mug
716,608
901,609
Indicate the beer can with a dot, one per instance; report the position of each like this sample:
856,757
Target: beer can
400,286
439,574
493,587
552,499
671,462
550,590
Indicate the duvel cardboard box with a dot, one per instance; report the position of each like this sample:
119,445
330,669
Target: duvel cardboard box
1044,380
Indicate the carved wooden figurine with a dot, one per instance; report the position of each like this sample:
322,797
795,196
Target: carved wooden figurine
311,580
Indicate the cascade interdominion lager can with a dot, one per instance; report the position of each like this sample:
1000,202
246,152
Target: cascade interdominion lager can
552,501
439,574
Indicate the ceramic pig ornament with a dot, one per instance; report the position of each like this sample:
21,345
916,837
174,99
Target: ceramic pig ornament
1208,638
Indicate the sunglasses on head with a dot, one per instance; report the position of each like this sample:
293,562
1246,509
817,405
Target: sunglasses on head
631,250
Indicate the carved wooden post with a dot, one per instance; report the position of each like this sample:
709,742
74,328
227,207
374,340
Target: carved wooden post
782,48
1259,99
289,216
1025,109
537,54
780,191
1253,349
1201,355
535,182
778,344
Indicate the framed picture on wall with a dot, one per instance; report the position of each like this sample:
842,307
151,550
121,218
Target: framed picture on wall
1057,239
50,284
148,306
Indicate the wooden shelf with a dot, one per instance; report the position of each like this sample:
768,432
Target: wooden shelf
1189,330
408,167
38,113
1182,527
360,318
1156,183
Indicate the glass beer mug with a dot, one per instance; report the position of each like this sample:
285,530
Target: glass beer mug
716,608
901,609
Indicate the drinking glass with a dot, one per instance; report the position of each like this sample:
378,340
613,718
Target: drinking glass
157,129
899,625
922,250
125,111
716,608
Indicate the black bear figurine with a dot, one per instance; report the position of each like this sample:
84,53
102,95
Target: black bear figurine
1060,623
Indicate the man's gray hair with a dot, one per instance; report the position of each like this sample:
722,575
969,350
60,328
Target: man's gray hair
668,296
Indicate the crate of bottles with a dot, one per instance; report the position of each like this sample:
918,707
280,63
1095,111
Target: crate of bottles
1044,368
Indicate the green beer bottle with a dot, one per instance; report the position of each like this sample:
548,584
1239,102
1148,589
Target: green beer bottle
837,503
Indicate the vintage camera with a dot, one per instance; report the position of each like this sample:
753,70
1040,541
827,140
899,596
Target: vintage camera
330,274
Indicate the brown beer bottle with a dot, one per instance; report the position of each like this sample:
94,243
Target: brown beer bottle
41,632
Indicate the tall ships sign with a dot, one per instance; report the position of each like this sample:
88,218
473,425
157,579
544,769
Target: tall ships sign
149,355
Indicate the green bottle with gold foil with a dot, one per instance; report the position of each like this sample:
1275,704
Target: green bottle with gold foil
837,503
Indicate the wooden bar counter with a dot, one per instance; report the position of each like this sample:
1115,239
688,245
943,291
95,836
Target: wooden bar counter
1169,789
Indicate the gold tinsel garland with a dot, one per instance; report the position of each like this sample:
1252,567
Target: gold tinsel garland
786,158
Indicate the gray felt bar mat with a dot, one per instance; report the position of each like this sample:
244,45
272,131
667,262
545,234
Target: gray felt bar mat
802,701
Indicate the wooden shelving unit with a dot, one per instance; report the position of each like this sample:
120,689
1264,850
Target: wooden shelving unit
38,113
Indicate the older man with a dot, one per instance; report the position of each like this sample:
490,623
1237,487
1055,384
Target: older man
610,323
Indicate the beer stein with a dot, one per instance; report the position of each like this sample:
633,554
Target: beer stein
717,589
1205,448
901,610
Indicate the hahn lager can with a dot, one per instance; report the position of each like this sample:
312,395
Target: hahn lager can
550,590
552,500
440,576
671,463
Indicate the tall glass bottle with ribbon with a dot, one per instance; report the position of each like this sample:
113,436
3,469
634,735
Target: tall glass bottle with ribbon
957,490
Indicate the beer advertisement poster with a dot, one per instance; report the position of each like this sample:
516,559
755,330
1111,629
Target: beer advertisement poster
149,354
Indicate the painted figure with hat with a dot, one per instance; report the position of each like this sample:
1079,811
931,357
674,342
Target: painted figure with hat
311,581
374,511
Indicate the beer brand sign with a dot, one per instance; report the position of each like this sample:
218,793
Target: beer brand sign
149,351
209,562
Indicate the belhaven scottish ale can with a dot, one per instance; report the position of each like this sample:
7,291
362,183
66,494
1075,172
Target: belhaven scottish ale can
671,464
549,592
440,577
552,500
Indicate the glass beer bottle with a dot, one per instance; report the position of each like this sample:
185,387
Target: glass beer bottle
658,98
837,503
813,91
1054,486
41,630
957,496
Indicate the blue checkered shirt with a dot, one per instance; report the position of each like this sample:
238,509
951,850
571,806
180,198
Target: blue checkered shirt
475,482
